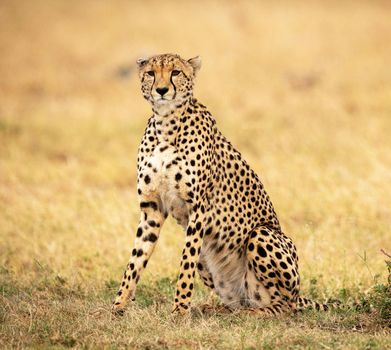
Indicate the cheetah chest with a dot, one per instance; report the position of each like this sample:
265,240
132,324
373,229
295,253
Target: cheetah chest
161,178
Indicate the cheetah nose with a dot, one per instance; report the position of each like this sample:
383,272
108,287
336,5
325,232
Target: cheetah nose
161,91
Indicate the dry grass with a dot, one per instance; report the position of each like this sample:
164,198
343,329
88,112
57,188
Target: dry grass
303,89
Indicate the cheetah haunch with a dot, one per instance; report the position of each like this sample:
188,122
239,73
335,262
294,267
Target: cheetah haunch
188,169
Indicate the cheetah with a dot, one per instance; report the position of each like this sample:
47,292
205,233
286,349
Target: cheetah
188,169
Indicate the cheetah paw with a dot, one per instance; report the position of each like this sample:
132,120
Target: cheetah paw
209,309
180,309
117,310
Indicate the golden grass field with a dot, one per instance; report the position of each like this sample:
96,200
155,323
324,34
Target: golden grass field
301,88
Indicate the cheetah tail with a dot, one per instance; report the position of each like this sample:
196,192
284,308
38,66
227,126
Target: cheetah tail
304,303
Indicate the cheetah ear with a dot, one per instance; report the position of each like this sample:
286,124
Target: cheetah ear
195,62
141,61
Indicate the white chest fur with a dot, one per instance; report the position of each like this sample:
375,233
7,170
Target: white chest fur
160,180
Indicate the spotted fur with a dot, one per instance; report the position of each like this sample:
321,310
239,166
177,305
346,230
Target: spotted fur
188,169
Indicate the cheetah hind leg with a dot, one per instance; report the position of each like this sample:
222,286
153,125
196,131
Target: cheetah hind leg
272,279
211,309
278,309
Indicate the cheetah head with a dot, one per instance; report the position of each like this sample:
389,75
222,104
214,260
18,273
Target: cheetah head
167,80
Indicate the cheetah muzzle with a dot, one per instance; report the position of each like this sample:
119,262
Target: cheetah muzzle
188,169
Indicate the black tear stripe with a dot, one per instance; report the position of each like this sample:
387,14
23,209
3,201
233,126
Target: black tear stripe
173,86
154,78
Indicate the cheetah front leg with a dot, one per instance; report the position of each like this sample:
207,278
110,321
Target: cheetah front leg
151,221
189,260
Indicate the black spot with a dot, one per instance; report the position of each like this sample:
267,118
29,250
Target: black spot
150,238
139,232
152,205
219,248
208,231
147,179
178,176
152,223
251,247
192,251
262,268
262,252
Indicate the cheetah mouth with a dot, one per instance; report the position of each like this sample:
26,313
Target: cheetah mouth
162,100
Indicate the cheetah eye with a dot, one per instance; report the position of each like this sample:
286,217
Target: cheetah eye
151,73
175,73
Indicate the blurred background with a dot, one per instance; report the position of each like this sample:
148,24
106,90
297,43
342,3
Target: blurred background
301,88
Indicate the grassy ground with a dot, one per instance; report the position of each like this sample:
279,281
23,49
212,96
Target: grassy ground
303,89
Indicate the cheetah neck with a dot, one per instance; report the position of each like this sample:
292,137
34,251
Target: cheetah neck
167,125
